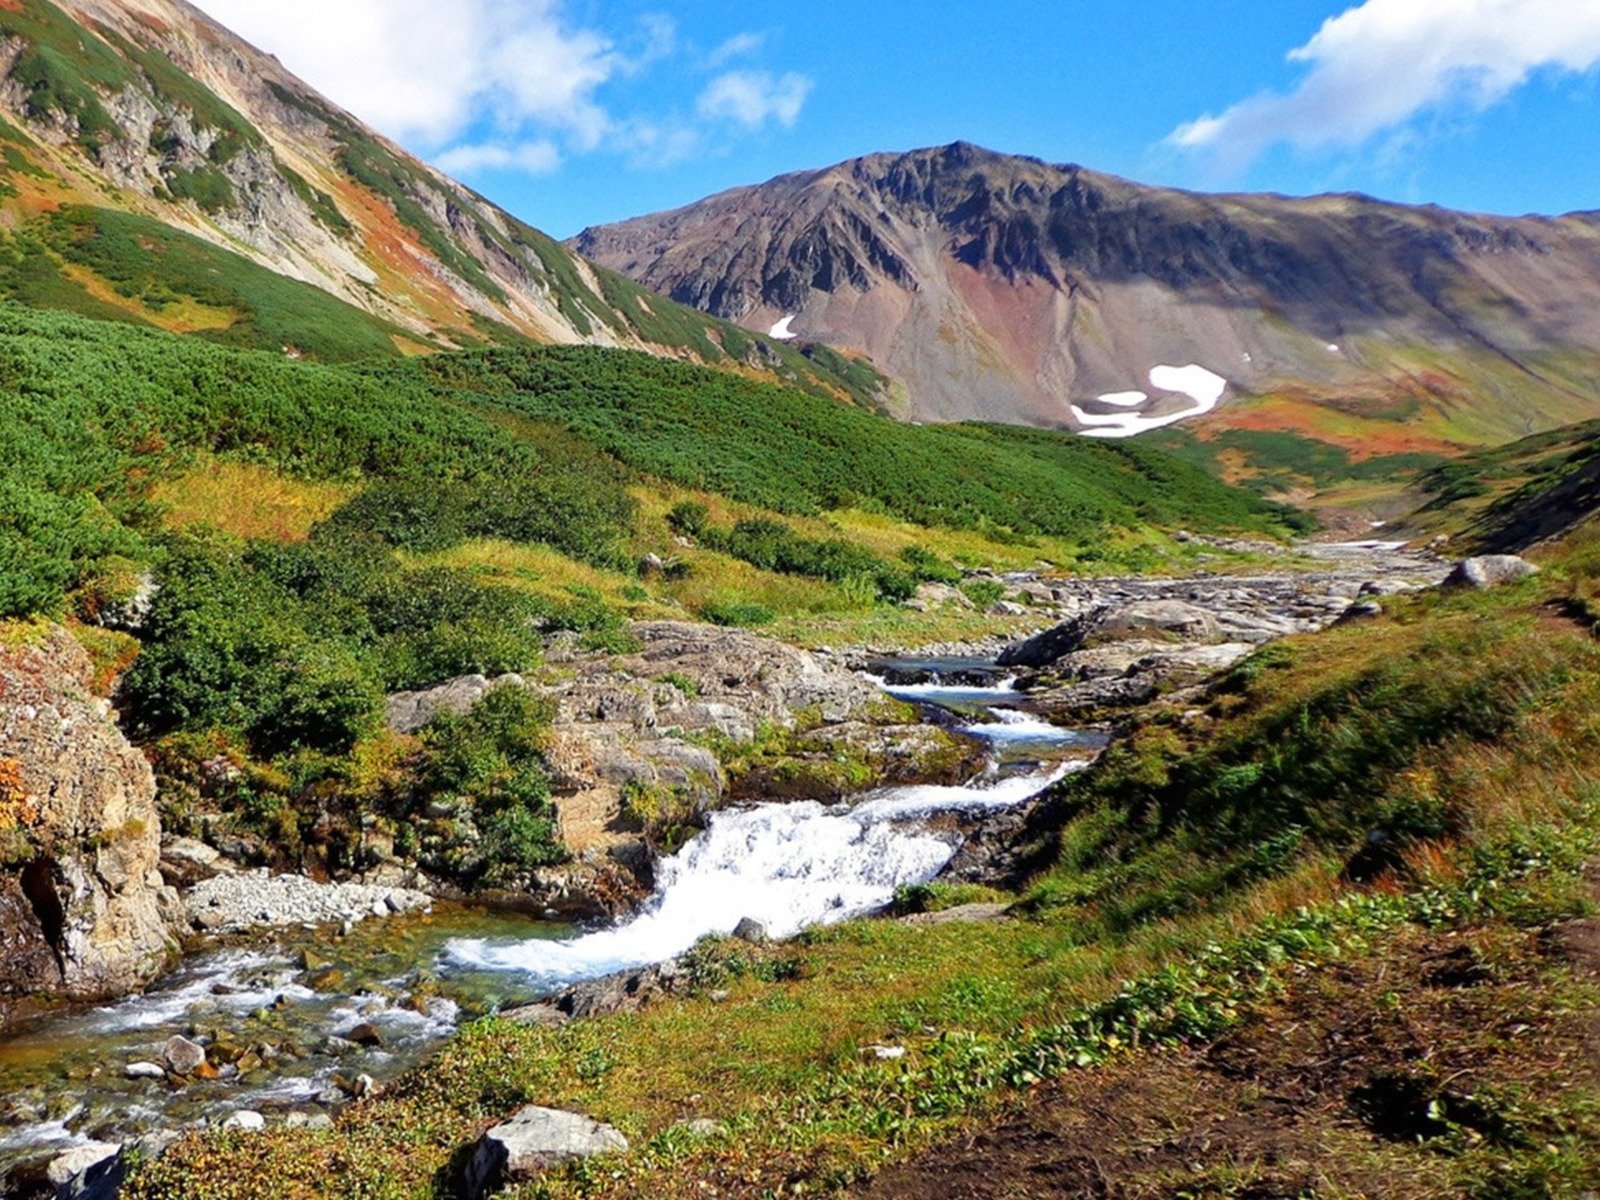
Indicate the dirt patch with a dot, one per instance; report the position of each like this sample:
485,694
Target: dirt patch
1378,1077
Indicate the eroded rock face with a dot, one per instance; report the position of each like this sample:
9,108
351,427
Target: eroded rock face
84,911
628,725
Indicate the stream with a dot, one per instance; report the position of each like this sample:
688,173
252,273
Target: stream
283,1010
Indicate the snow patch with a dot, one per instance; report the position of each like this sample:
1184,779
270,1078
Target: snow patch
1204,387
782,331
1124,399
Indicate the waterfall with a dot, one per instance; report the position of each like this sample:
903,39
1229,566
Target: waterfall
789,866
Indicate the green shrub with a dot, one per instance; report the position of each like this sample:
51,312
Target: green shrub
689,518
984,592
737,614
928,567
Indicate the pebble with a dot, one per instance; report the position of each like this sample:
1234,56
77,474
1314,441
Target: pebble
256,899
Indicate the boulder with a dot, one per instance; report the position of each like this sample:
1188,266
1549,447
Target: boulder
1490,571
1042,649
245,1121
93,1171
937,595
532,1141
186,862
536,1016
1177,620
84,911
750,930
1158,621
408,712
183,1056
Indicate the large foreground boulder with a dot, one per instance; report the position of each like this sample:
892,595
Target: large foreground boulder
1490,571
1159,621
532,1141
84,912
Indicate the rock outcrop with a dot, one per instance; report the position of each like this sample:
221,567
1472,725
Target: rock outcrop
84,911
630,727
1132,639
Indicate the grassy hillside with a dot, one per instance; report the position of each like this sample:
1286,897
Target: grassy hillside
760,444
1333,921
119,266
95,415
320,536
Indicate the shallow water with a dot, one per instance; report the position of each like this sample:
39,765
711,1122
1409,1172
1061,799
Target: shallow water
61,1076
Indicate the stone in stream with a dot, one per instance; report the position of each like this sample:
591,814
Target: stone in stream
245,1121
183,1056
144,1070
532,1141
365,1034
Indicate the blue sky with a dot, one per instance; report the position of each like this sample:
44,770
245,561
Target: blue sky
576,112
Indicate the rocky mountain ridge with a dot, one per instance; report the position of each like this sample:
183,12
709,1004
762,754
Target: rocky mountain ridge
127,122
1006,288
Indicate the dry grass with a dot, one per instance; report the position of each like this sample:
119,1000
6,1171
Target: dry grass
249,501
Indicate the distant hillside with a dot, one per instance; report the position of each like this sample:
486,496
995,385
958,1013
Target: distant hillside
1515,496
537,445
1003,288
155,168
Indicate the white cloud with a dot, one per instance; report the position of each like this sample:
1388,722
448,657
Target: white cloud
752,98
739,45
532,158
418,69
481,85
1378,65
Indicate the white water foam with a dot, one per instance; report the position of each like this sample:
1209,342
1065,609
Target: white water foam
218,984
934,693
789,866
1012,726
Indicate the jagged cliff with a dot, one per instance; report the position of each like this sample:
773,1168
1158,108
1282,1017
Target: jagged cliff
1007,288
84,911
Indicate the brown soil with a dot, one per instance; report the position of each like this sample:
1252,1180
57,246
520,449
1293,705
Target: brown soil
1338,1089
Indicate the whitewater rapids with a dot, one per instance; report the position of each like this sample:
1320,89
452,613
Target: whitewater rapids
788,866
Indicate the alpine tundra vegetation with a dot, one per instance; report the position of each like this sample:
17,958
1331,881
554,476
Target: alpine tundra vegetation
991,680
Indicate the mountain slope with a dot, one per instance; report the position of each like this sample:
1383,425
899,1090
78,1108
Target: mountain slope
134,127
1006,288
